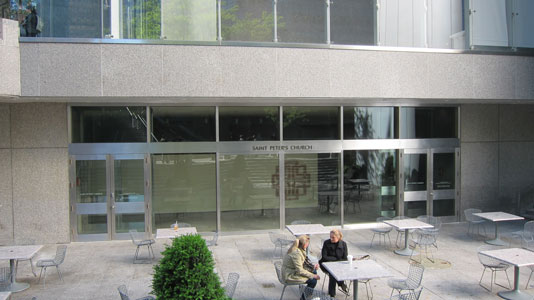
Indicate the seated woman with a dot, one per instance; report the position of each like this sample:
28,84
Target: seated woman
334,249
296,267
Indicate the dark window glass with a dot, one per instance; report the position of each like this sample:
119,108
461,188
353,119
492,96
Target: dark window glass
249,124
109,124
352,22
414,172
183,124
70,18
444,171
443,207
428,122
413,209
368,123
247,20
311,123
301,21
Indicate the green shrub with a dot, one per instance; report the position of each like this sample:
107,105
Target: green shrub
186,272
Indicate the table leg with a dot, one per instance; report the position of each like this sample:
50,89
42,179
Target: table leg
515,294
406,250
496,241
15,286
355,289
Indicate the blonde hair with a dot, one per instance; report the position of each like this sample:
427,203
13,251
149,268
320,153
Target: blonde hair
299,243
337,233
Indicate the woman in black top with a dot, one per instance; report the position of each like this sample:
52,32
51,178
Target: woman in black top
334,249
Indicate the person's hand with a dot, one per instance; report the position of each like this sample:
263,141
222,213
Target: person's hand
316,276
316,266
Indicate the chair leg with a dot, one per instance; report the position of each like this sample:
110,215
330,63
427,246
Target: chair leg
372,239
33,271
532,271
136,253
59,273
283,290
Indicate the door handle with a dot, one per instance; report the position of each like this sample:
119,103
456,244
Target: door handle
113,207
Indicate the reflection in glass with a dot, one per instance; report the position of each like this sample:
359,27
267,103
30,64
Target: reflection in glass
141,19
443,207
368,122
248,20
249,199
429,122
189,20
311,123
129,195
414,172
303,21
444,173
91,199
249,124
352,22
413,209
109,124
369,185
183,190
183,124
70,18
312,188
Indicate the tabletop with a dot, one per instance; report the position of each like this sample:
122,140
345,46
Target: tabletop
19,252
169,233
515,256
360,270
404,224
498,216
4,295
301,229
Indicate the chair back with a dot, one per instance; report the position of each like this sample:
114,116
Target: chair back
5,276
278,267
136,236
215,239
528,231
486,260
61,251
231,284
123,292
469,214
181,225
298,222
381,226
415,275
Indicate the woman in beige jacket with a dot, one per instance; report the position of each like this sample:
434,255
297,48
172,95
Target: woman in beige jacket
297,267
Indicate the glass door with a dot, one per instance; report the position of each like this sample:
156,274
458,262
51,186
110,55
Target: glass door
429,183
107,196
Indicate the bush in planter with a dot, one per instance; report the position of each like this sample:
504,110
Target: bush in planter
186,271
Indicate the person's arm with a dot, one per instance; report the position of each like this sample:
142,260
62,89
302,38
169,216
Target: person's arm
345,251
298,261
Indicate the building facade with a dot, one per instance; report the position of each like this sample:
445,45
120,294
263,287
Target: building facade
109,123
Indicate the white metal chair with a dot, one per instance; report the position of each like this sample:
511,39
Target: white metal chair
280,240
400,232
474,221
299,222
382,229
180,225
435,230
5,277
493,265
61,251
424,239
410,283
123,291
137,239
231,284
213,241
278,267
313,294
408,296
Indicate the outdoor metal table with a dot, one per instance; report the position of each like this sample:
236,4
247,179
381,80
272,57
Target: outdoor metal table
406,225
358,270
5,295
517,257
13,253
308,229
359,183
496,217
169,233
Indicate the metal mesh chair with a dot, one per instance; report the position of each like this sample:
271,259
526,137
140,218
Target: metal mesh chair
280,241
299,222
424,239
137,239
493,265
474,221
181,225
231,284
408,296
382,229
433,231
26,242
123,291
61,251
400,232
412,282
278,267
213,241
313,294
5,277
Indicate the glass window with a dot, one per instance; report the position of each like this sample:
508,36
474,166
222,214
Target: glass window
249,124
369,185
312,188
352,22
141,19
429,122
311,123
368,123
91,199
109,124
414,172
189,20
70,18
129,177
184,190
248,20
183,124
249,192
302,21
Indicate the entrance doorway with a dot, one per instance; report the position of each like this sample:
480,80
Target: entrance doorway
108,196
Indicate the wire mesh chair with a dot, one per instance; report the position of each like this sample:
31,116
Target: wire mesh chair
61,251
181,225
213,241
474,221
278,267
137,239
26,242
231,284
527,236
313,294
382,229
408,296
123,291
436,222
493,265
5,277
280,240
410,283
300,222
400,232
424,239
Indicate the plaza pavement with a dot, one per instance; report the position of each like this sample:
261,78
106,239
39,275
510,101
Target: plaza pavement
94,270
